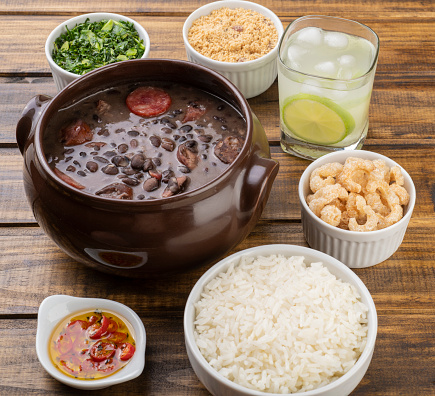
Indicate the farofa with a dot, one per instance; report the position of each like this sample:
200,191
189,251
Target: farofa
233,35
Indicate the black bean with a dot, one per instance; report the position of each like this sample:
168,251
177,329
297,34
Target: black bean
168,144
204,156
168,123
185,128
130,181
113,144
155,140
141,197
82,154
68,159
120,130
101,159
120,160
151,184
176,137
205,138
173,186
182,139
92,166
183,169
110,169
199,131
77,163
104,132
148,165
109,153
71,168
157,161
137,161
133,133
189,136
167,174
129,171
81,173
69,151
166,130
123,148
192,145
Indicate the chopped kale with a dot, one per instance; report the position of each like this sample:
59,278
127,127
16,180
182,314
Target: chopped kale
91,45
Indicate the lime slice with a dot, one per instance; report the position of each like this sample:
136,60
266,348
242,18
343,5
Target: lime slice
316,119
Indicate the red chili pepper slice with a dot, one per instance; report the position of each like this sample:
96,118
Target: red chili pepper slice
97,330
117,337
113,326
76,326
64,344
102,350
127,351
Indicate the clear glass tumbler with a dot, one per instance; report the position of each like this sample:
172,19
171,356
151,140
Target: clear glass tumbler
326,68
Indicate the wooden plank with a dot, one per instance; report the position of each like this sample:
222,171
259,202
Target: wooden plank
401,365
390,114
363,10
29,33
33,267
283,203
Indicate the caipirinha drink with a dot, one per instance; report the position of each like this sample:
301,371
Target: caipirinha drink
325,77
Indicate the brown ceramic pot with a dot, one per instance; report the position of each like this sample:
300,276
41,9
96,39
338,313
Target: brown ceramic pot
145,238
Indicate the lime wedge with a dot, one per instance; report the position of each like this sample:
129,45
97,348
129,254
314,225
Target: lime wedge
316,119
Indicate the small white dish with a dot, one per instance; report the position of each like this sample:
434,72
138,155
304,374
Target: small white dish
355,249
218,385
57,307
253,77
62,77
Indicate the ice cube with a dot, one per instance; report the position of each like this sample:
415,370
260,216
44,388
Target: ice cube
336,40
347,60
295,52
312,87
310,37
327,69
345,73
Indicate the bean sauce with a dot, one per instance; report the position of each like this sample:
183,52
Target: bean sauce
144,141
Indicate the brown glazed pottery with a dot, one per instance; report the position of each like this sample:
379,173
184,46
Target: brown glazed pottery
154,237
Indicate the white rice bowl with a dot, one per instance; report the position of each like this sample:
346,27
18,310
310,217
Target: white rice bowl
279,324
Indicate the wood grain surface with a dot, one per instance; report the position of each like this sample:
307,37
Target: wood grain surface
402,127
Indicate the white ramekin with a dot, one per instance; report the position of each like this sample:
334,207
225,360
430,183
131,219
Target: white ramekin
218,385
56,308
252,77
355,249
62,77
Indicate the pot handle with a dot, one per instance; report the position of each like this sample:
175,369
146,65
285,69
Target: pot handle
258,181
29,118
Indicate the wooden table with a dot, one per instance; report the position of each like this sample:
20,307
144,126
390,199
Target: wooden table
402,126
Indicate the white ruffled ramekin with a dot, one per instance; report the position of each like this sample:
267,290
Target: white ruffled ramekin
355,249
252,78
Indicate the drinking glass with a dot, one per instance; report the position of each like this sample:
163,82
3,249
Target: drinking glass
326,68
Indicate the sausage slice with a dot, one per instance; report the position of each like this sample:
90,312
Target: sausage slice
148,101
228,149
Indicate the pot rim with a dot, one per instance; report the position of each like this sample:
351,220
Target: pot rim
209,187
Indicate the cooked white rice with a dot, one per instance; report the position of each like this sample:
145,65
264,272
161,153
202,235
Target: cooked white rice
277,325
